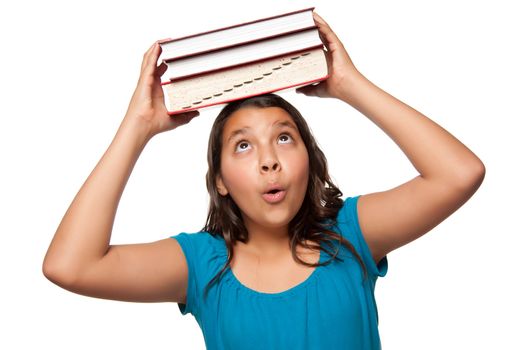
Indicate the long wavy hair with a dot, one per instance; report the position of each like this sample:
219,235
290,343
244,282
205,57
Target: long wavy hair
317,213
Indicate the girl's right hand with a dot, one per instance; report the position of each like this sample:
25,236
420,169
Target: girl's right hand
147,110
341,69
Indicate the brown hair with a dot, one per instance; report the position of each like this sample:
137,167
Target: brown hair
320,206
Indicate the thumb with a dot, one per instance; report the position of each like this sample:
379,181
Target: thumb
177,120
310,90
161,69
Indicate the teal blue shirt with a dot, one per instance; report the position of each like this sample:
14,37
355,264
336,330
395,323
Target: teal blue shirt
334,308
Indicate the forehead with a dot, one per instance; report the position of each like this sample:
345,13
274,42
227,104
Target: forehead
255,118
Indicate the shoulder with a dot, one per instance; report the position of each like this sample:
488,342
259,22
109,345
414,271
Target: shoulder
202,249
205,255
348,216
198,240
348,224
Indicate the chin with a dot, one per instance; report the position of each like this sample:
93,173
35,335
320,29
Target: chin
275,224
275,220
269,220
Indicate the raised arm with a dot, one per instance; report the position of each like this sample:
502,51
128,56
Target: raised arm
79,257
449,172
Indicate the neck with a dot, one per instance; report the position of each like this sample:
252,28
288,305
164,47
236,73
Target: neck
266,241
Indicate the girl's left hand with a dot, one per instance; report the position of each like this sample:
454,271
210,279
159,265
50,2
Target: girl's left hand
340,67
146,108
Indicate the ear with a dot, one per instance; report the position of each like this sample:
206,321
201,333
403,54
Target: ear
220,186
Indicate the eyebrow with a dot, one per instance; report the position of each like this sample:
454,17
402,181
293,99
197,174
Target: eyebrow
241,131
285,123
280,123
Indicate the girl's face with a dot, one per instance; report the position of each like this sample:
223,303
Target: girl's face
264,166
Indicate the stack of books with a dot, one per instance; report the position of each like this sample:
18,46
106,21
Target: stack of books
242,60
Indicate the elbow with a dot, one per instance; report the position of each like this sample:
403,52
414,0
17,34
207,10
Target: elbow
471,177
480,174
477,174
51,272
58,274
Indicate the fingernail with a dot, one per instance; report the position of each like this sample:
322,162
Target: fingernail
318,18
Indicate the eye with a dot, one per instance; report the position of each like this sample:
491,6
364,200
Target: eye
285,138
242,146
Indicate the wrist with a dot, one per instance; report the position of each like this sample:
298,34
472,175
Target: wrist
133,129
350,83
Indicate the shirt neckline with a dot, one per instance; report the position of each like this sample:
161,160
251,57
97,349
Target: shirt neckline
288,292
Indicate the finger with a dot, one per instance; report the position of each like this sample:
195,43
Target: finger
193,113
145,57
184,118
325,30
309,90
306,90
161,69
300,90
151,59
318,18
324,40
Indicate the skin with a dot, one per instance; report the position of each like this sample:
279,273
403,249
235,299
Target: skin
81,259
450,173
268,151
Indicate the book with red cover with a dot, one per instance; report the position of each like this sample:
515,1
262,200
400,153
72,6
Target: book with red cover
284,72
224,71
242,54
238,34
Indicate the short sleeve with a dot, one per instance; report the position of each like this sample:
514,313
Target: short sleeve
350,215
189,252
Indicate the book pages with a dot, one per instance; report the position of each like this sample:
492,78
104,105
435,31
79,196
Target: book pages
244,54
238,34
253,79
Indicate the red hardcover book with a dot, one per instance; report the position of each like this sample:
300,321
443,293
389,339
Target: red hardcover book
222,86
243,60
242,54
242,33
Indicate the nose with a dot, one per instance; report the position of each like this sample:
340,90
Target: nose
269,163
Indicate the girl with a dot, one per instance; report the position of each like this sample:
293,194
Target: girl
282,262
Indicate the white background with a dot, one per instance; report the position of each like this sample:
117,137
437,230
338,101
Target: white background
69,68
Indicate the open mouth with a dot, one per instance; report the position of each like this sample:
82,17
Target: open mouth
274,196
